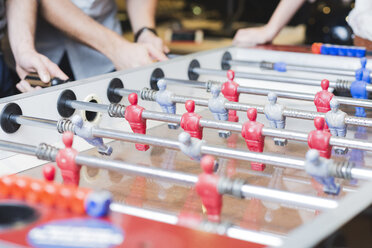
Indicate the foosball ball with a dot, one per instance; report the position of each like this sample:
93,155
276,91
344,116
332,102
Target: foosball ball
229,147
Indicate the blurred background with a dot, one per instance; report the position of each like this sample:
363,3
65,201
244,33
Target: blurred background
194,25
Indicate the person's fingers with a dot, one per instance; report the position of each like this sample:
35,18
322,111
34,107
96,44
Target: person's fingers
155,53
166,49
20,87
40,68
53,69
21,72
26,86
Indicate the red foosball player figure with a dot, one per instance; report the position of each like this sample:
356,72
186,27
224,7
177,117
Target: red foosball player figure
252,133
206,187
323,98
66,161
230,91
190,121
319,139
133,114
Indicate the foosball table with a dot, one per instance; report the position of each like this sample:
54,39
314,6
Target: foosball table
229,147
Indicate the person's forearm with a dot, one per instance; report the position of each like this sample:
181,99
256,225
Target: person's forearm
283,13
67,17
21,17
141,13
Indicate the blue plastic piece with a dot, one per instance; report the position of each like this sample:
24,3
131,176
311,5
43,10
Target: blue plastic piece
280,66
360,52
363,71
332,50
342,51
329,185
351,52
358,90
98,203
324,49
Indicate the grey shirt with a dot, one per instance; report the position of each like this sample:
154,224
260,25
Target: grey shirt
85,61
2,19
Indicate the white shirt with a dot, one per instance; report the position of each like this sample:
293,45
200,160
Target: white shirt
360,19
85,61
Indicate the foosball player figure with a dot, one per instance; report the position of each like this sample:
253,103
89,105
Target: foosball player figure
318,168
323,98
274,113
97,203
252,133
84,130
335,120
216,105
164,99
206,187
365,72
230,91
319,139
358,90
190,121
133,114
66,161
191,147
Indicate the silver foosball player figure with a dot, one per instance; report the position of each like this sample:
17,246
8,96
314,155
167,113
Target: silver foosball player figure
335,119
191,147
216,105
274,113
164,99
319,169
84,130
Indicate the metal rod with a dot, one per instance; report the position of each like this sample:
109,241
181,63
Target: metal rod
88,106
135,138
273,78
159,116
138,170
288,178
361,173
124,92
194,83
292,67
33,121
17,147
307,97
233,231
266,158
284,198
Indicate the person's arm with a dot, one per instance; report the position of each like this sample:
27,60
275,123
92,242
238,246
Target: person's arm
21,17
142,14
283,13
84,29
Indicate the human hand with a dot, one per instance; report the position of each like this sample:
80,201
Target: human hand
31,61
130,55
148,37
253,36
